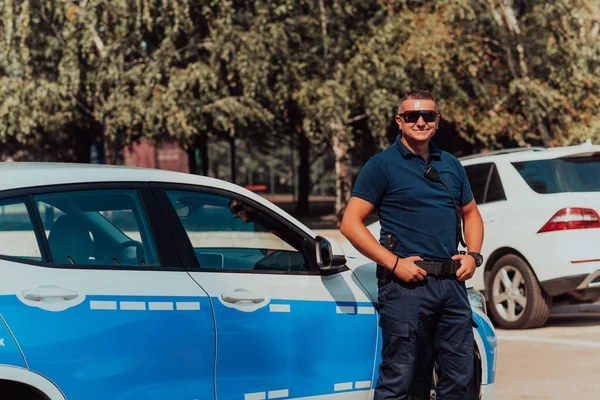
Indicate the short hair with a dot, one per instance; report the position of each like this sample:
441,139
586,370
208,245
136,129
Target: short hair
417,95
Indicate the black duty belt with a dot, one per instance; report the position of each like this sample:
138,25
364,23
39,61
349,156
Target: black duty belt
439,268
432,268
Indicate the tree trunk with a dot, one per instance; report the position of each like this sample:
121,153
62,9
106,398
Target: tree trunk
109,152
232,155
203,145
114,152
342,173
156,154
545,134
198,143
302,205
192,165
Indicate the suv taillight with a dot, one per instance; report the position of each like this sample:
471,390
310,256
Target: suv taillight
572,218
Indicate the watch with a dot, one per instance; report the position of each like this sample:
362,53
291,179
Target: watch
478,258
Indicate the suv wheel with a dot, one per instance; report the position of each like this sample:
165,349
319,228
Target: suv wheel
516,300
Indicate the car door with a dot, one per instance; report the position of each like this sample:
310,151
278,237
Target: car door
284,329
94,294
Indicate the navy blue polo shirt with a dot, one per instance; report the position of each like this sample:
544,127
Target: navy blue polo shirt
420,213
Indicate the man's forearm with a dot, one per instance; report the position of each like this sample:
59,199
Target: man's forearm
474,232
360,237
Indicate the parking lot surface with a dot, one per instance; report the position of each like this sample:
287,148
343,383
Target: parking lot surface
558,361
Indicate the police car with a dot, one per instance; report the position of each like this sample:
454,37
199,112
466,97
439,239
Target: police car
134,284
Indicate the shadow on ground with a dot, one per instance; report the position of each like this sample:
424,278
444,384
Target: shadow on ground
573,320
575,315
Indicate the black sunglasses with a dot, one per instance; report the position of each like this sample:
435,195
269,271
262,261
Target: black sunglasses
413,116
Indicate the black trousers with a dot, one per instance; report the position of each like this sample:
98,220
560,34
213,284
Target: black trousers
423,323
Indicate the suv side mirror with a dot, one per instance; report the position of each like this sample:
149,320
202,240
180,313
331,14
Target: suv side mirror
324,255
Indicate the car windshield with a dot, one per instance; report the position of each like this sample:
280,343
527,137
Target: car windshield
569,174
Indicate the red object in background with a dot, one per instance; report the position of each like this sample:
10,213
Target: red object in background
170,156
256,188
572,218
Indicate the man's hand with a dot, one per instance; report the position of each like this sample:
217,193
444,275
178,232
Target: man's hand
408,271
467,266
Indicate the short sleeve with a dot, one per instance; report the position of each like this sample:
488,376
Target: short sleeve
466,194
371,183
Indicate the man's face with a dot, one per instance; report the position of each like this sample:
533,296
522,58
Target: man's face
418,120
241,211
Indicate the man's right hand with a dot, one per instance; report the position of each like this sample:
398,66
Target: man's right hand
408,271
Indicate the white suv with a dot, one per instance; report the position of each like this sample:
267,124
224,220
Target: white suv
540,210
541,248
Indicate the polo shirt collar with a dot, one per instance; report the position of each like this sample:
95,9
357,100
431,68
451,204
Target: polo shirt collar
406,153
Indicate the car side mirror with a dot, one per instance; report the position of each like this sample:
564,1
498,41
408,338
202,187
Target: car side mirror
324,253
326,261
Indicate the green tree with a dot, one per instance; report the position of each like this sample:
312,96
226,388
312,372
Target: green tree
505,72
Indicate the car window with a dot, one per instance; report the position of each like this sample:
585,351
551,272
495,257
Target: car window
478,177
495,190
17,232
569,174
97,227
230,234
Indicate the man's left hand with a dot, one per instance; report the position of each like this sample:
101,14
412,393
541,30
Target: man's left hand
467,266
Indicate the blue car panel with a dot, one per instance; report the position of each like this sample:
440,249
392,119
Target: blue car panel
300,353
488,337
10,354
98,350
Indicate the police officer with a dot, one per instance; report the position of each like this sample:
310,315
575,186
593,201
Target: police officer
424,310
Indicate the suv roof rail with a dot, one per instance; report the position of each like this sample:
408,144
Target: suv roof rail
503,151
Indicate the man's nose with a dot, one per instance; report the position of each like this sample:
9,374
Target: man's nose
421,121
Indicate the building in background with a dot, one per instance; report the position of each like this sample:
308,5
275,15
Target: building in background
169,155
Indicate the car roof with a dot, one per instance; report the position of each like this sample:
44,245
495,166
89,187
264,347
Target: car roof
531,153
18,175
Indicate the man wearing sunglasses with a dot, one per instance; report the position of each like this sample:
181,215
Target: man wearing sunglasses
425,315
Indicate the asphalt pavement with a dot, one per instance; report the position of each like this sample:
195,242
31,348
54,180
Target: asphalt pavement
560,360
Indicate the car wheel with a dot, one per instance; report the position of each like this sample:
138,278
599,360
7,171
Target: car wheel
516,300
18,391
474,385
434,379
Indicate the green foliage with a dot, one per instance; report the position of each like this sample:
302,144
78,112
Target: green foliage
510,71
505,72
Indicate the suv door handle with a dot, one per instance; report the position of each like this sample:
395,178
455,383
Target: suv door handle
242,296
49,292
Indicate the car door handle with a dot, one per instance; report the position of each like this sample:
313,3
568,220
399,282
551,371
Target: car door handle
242,296
49,292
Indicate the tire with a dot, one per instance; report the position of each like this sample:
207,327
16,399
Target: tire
515,298
474,385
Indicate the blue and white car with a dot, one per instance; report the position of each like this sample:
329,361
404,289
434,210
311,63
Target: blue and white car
135,284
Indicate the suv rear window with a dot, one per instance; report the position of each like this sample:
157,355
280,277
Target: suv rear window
569,174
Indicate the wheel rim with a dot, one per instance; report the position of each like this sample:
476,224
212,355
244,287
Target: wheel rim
434,379
509,294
